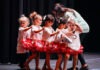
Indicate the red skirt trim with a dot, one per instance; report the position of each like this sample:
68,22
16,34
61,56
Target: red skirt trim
53,47
70,51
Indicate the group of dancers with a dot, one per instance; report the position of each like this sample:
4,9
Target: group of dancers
42,37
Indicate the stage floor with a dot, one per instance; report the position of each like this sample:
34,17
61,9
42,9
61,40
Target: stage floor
92,59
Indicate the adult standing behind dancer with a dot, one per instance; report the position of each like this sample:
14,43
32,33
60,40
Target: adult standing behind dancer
61,11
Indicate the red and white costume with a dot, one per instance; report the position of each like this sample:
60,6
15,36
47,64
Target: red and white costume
75,47
22,35
59,36
60,39
48,39
46,34
37,38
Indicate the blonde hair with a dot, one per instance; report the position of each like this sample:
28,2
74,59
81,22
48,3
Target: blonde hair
24,18
34,15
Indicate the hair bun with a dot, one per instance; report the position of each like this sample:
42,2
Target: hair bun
33,14
22,15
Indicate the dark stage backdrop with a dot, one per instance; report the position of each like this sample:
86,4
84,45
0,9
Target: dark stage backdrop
12,9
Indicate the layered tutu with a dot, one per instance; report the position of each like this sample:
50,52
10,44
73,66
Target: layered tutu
63,47
27,43
70,51
39,45
53,47
56,47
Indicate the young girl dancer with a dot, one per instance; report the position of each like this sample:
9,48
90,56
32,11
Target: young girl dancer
74,47
22,35
59,40
36,34
48,37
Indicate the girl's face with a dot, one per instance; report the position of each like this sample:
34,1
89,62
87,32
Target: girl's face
24,23
65,26
61,26
72,26
48,23
38,20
